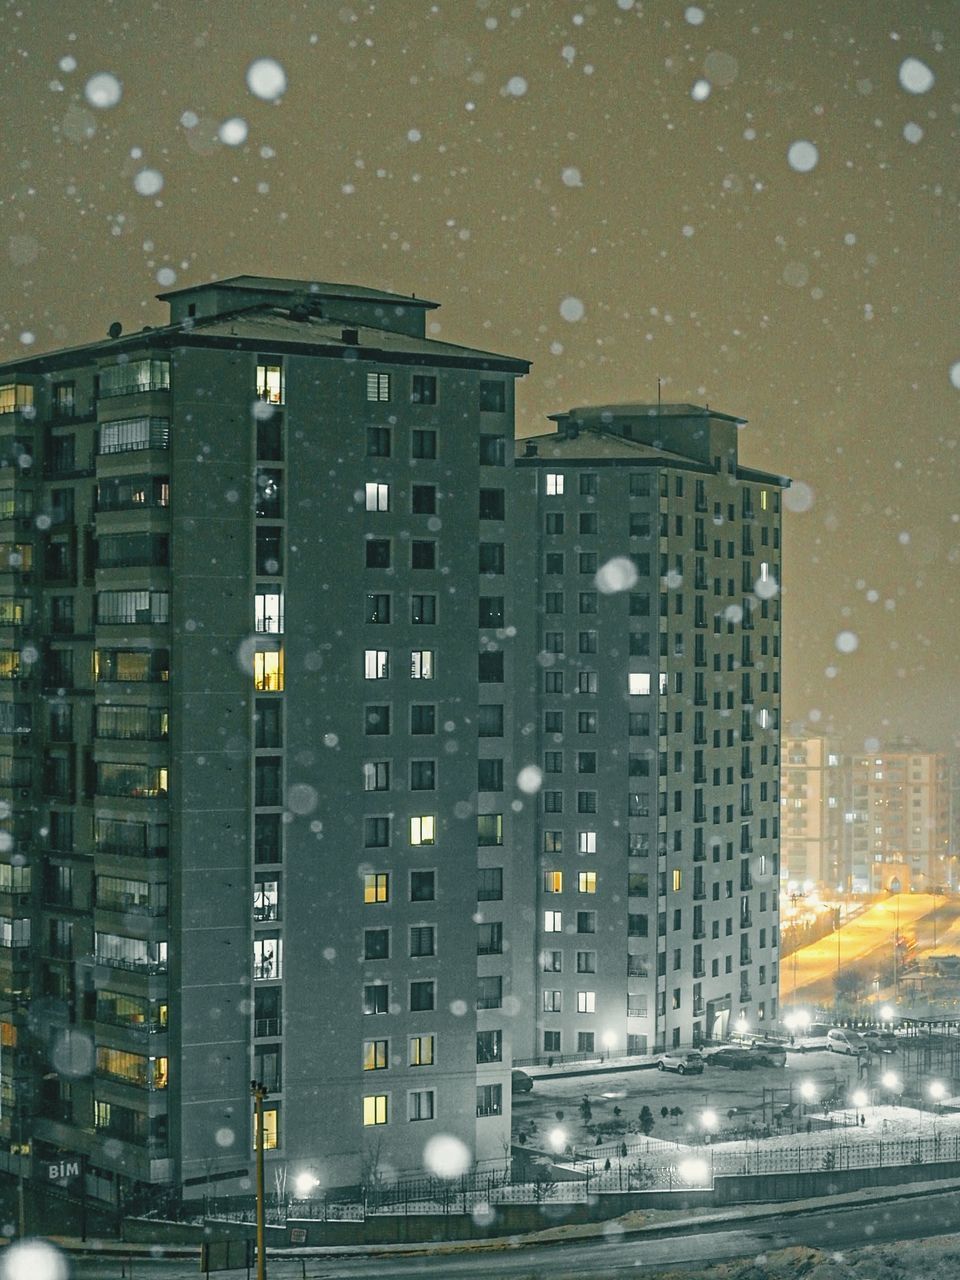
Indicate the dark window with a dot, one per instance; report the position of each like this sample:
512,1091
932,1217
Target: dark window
422,996
490,884
269,549
489,1046
493,451
378,553
554,522
269,495
553,562
423,555
490,721
423,609
490,775
423,444
422,886
423,388
423,718
492,504
376,944
270,439
423,499
268,723
491,611
378,442
268,781
376,719
423,775
491,557
267,834
490,667
493,396
376,832
589,522
377,607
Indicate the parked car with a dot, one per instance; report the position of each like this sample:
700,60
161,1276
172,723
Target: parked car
768,1053
813,1037
732,1056
520,1082
881,1041
683,1061
843,1040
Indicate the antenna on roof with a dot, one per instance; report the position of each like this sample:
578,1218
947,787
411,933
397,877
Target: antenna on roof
658,390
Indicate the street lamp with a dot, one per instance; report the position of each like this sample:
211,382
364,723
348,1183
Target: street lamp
694,1170
305,1182
558,1139
937,1091
808,1095
741,1025
609,1040
890,1080
708,1120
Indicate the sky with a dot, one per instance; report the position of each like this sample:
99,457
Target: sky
753,200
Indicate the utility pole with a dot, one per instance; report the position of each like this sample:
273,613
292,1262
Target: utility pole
259,1092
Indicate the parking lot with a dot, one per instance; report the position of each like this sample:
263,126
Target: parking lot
718,1104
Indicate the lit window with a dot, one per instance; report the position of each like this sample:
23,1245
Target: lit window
587,842
587,881
267,956
663,682
270,383
422,1051
375,1055
552,1000
677,879
552,922
421,664
271,1129
421,1104
586,1002
375,1109
763,499
377,496
268,670
639,682
268,612
553,882
378,386
422,829
554,484
376,664
376,887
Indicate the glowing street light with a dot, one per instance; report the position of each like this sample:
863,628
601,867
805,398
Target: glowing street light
694,1171
709,1119
808,1095
305,1183
859,1098
937,1091
886,1014
742,1025
890,1080
558,1139
609,1040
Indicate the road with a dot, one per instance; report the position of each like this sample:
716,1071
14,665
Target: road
809,972
609,1258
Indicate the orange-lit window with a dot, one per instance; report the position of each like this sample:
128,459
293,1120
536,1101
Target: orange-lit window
553,882
271,1129
270,383
587,881
268,670
376,887
375,1109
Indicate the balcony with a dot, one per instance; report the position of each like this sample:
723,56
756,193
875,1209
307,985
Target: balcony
147,967
267,1027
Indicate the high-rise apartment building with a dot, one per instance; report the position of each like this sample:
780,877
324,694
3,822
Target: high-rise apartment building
897,819
811,828
656,557
343,751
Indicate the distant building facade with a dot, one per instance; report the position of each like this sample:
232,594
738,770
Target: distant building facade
342,751
811,827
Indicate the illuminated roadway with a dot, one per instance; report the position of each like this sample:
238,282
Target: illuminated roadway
872,931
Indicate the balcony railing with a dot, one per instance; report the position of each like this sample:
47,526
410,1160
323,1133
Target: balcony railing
266,1027
148,967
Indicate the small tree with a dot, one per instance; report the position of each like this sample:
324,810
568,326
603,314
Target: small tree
646,1122
558,1114
664,1112
544,1184
586,1111
676,1113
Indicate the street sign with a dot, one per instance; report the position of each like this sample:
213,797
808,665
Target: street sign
298,1235
226,1255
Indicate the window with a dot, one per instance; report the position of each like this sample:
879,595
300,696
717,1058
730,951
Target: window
490,667
375,1105
421,1104
423,829
587,642
423,718
376,664
588,522
586,761
553,522
585,1041
587,881
376,719
490,938
493,397
378,386
553,882
491,557
586,802
489,1096
490,612
553,922
422,995
490,992
554,484
422,1051
552,961
377,496
421,664
115,608
423,940
130,435
422,886
490,829
269,383
490,775
586,962
492,504
552,1000
376,1055
423,445
376,775
376,832
490,884
553,682
377,607
376,944
269,549
423,499
267,955
423,388
586,1002
268,781
553,802
268,611
423,555
490,720
423,775
493,451
376,887
586,922
423,610
376,999
489,1046
587,682
378,442
551,1042
587,602
377,553
639,683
